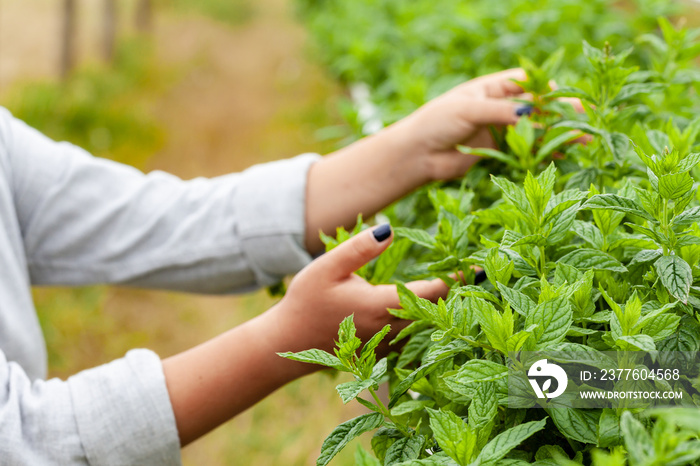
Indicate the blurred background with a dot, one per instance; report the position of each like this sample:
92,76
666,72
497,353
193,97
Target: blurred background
196,88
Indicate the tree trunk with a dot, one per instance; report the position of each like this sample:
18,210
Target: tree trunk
144,16
68,38
109,30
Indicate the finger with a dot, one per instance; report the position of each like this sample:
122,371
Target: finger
490,112
428,289
574,102
349,256
498,85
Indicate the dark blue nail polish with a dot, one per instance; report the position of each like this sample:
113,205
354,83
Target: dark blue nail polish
382,232
479,277
524,110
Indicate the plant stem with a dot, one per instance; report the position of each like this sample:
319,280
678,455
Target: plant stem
664,225
476,343
385,411
543,263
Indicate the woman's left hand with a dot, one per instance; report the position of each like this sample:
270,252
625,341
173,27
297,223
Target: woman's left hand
460,116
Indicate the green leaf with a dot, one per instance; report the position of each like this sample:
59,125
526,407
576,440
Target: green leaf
632,90
404,449
636,343
439,459
484,406
639,445
316,356
577,424
453,435
522,304
348,343
584,259
364,458
474,291
553,144
617,203
675,185
571,92
589,233
497,327
553,319
490,154
662,326
521,137
676,275
382,440
348,391
508,440
346,432
689,217
513,193
410,406
373,342
689,162
421,237
425,369
480,370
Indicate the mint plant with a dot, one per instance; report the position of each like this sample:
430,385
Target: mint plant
590,249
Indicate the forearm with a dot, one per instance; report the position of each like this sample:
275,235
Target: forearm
362,178
215,381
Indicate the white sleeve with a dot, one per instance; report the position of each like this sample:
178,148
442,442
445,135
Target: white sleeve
88,220
116,414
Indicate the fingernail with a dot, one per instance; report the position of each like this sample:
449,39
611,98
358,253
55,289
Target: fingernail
479,277
524,110
382,232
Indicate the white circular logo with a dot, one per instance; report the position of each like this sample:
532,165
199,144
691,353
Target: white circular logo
544,371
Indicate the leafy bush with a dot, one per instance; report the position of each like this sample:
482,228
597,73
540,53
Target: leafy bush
595,250
409,52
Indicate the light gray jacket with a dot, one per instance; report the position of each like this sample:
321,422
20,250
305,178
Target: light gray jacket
68,218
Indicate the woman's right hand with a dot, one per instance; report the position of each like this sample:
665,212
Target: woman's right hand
328,290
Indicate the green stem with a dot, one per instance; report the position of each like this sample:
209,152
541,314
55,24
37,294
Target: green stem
476,343
385,411
543,263
664,224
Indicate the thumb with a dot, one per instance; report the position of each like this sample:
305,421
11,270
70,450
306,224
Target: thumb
349,256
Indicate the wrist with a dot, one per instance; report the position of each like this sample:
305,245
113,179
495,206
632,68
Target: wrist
279,336
405,153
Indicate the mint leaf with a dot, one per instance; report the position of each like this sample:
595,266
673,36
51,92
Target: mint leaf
518,301
553,319
508,440
345,432
617,203
316,356
404,449
638,442
348,391
676,275
585,259
417,236
453,435
580,425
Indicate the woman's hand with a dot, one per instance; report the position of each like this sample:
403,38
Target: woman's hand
226,375
327,291
460,116
367,176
